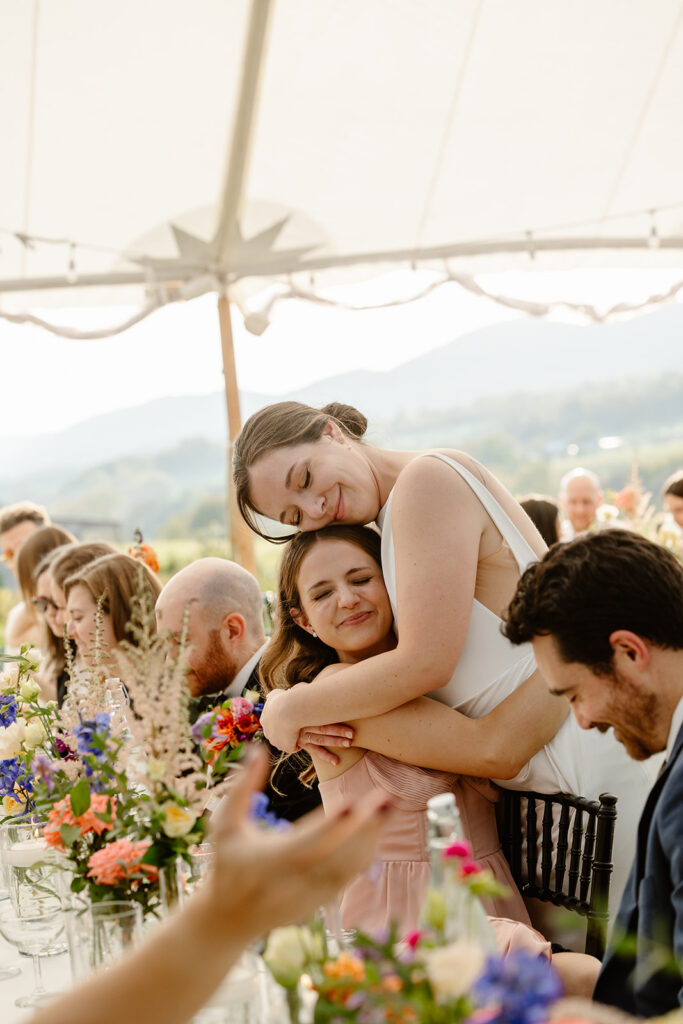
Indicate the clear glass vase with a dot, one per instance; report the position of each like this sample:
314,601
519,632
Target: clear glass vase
99,933
171,885
31,869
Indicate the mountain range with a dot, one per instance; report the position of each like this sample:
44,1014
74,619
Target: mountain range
146,463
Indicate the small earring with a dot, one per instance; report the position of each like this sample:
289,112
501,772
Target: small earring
314,634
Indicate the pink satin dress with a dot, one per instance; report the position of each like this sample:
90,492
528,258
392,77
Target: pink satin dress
393,889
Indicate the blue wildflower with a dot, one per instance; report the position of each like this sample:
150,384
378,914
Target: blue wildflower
259,813
8,710
519,987
10,770
90,729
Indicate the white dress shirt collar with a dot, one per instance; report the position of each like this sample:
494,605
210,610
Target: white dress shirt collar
242,677
676,723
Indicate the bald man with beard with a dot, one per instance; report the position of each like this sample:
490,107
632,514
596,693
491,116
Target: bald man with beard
226,640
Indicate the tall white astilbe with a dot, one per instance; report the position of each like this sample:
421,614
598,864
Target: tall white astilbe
161,750
88,691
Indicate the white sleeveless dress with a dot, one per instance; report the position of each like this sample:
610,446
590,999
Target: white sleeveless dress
579,761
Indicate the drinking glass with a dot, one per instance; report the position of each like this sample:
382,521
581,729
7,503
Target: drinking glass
32,872
6,970
202,860
32,936
98,933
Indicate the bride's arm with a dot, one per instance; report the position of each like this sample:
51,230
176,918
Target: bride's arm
437,526
427,733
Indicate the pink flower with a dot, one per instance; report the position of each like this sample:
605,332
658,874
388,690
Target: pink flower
412,938
62,814
240,706
120,862
459,849
469,867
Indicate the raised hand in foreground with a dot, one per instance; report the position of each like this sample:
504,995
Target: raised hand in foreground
260,880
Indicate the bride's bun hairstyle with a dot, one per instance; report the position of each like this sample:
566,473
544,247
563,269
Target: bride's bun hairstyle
284,425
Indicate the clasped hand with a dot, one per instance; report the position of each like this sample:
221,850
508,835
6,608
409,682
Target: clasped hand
283,728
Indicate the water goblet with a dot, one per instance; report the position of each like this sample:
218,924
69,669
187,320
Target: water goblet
6,970
32,936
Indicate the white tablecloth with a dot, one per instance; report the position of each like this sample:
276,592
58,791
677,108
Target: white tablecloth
56,972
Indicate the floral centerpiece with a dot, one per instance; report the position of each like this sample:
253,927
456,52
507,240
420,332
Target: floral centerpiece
122,789
632,508
423,979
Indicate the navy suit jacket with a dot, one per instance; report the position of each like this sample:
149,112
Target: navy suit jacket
648,980
287,796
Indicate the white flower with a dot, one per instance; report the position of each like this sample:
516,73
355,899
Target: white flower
453,969
11,739
287,952
29,689
178,821
11,806
155,769
606,514
10,675
35,734
34,658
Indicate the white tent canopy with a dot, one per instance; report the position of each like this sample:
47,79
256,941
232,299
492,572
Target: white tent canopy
285,138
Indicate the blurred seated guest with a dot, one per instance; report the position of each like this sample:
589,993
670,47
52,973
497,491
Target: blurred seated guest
545,515
226,638
54,666
112,582
282,878
42,541
67,562
17,523
580,496
673,497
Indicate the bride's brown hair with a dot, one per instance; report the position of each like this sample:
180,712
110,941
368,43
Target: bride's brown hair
283,425
293,655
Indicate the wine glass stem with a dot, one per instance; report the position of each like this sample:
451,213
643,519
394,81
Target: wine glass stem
38,973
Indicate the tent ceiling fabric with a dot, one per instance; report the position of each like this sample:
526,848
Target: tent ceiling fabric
384,129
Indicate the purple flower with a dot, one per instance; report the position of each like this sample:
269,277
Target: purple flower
65,752
43,769
8,710
259,813
520,988
197,729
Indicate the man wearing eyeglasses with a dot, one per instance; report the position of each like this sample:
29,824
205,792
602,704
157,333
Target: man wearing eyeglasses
17,523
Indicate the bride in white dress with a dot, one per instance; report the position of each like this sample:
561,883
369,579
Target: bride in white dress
453,546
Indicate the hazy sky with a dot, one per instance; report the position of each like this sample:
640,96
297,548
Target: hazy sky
49,383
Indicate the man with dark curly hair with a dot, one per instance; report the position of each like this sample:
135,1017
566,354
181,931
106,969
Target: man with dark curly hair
605,616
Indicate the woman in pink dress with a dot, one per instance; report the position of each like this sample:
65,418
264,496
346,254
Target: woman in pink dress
334,610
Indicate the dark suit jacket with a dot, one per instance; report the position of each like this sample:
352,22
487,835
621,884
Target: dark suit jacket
651,908
293,799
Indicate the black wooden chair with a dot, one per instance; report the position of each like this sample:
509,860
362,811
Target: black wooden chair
574,872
